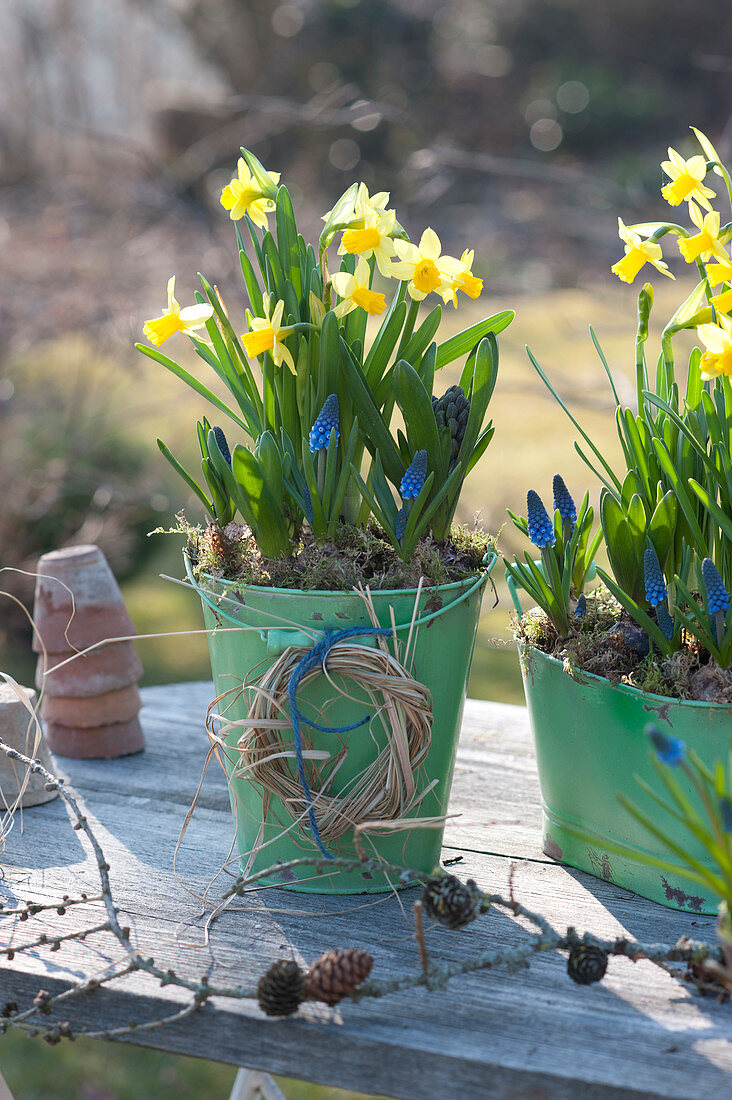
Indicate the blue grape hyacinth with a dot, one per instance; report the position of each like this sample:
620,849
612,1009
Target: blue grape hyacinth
581,608
401,523
717,594
563,502
655,584
222,444
665,621
541,528
725,809
326,421
669,750
414,477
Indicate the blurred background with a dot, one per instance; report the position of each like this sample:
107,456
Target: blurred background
519,128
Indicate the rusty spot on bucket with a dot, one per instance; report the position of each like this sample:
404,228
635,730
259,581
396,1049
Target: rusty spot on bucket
551,848
341,614
318,616
673,893
434,603
661,711
601,864
286,875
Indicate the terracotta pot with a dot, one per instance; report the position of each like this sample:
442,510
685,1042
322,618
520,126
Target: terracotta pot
109,668
19,731
77,601
96,742
99,710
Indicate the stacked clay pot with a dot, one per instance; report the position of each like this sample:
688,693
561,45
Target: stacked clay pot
90,704
19,730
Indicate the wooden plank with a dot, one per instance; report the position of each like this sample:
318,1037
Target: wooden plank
532,1034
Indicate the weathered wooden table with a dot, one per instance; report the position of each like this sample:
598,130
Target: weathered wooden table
530,1034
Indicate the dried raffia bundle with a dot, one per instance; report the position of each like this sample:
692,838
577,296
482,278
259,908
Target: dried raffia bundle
281,989
451,902
336,974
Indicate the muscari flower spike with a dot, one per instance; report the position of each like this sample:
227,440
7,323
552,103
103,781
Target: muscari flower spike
669,750
581,608
401,523
414,477
326,421
221,440
655,584
665,621
725,809
541,528
717,594
563,502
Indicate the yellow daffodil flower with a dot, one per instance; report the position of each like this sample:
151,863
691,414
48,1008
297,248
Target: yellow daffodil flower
243,195
467,282
637,253
175,319
425,267
717,339
723,302
372,239
687,180
355,293
363,202
706,243
720,272
267,334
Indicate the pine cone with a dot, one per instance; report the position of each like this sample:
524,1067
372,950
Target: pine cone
451,902
451,412
281,990
586,964
336,974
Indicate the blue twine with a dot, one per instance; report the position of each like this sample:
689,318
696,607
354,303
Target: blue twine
318,655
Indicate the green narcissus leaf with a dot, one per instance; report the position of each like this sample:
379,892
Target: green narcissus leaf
662,526
267,517
419,418
464,342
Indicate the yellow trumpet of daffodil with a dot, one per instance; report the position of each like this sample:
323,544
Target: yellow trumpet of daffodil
687,180
373,238
267,334
425,267
467,282
717,339
706,243
723,302
243,195
720,272
637,253
175,319
355,293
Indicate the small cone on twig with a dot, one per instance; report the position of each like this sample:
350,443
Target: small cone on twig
281,990
586,964
451,902
336,974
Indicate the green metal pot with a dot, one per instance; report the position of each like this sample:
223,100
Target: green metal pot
448,617
589,746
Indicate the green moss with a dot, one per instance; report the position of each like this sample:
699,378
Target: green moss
354,555
605,642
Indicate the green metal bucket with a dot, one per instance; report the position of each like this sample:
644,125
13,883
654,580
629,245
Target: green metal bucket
442,651
590,745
